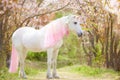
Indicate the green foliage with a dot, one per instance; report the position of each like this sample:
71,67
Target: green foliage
99,59
91,71
58,15
70,46
65,60
37,56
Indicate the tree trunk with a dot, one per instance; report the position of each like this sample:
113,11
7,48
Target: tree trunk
2,52
107,29
2,59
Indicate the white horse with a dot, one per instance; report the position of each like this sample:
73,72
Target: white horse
49,38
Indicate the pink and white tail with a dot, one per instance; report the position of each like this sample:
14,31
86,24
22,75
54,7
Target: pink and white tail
14,61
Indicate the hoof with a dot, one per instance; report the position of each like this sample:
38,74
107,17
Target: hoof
23,77
56,76
49,77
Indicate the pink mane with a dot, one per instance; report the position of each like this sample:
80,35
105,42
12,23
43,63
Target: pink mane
55,32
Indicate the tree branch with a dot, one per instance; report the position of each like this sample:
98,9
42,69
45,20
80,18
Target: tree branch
81,8
40,14
40,2
23,2
28,18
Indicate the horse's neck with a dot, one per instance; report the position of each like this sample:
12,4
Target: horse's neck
61,22
55,31
64,19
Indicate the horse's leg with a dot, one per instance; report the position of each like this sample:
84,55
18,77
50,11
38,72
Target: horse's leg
49,63
54,58
22,55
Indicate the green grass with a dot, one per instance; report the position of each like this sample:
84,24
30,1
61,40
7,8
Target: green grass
91,71
34,68
14,76
5,75
31,71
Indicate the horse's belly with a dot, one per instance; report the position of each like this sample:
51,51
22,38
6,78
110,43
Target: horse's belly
33,47
35,50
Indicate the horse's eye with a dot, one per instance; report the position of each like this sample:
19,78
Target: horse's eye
75,22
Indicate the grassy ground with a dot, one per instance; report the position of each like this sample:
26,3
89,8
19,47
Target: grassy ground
37,71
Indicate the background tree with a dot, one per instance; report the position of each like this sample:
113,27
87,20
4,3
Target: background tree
103,32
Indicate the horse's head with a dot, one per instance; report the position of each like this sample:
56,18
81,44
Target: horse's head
74,24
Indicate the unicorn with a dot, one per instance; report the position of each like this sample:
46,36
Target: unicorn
49,38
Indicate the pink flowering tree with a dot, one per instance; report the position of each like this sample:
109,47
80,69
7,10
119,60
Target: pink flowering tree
112,6
102,30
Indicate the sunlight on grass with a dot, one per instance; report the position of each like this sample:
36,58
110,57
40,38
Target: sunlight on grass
89,71
36,69
31,71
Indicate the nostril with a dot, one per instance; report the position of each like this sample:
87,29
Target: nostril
80,34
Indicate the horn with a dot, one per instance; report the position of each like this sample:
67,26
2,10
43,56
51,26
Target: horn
77,17
74,16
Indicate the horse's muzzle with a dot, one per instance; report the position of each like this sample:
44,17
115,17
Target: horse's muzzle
80,34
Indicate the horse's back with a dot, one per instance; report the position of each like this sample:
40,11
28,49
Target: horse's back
18,34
